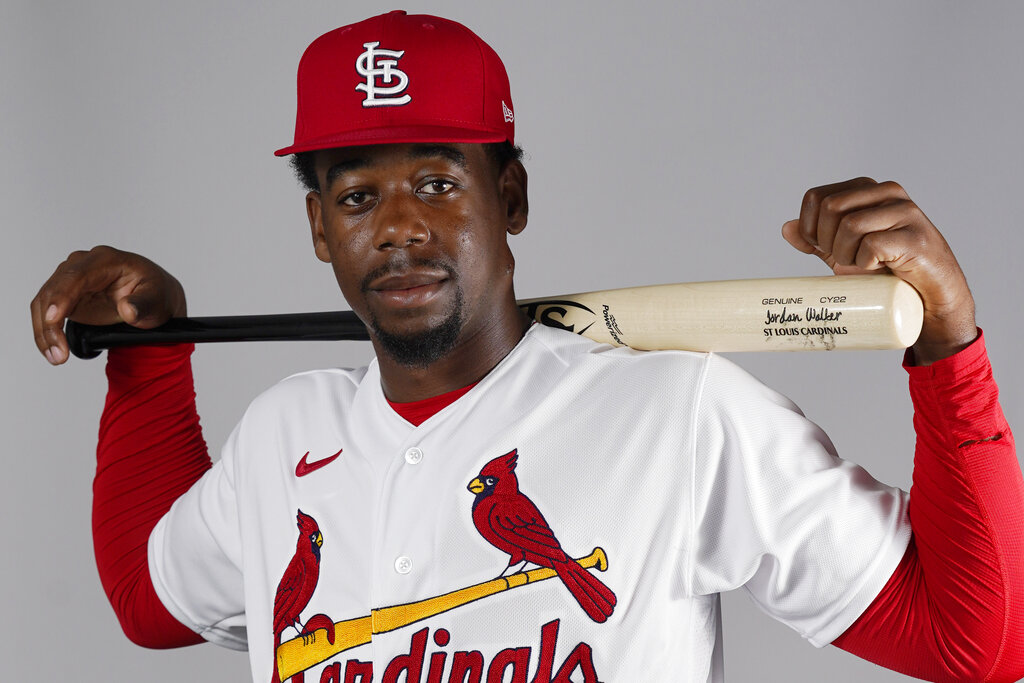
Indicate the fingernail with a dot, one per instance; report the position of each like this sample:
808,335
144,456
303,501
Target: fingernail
49,355
51,313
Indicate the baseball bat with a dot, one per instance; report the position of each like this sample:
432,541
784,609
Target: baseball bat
299,654
772,314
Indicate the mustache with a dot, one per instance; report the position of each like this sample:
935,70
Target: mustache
403,264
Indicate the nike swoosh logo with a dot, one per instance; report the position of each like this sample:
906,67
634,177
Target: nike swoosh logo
302,468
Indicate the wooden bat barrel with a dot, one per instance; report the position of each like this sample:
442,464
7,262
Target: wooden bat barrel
774,314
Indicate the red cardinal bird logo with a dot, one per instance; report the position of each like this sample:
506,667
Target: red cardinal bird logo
299,581
510,522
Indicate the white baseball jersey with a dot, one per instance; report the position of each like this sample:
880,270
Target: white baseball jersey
686,474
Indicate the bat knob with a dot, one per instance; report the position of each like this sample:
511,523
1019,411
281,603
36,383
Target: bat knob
78,342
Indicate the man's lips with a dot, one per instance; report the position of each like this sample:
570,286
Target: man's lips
408,280
409,289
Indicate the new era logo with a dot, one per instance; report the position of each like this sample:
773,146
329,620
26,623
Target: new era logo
509,116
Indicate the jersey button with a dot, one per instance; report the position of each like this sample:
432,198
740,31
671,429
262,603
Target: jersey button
403,565
413,456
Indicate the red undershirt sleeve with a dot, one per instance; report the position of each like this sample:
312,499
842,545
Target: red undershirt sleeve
150,451
954,608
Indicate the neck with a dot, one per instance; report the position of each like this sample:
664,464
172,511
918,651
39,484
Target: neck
474,355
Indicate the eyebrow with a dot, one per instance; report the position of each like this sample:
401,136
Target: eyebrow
444,151
343,167
418,152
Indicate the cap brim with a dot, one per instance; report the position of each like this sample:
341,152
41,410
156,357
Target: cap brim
394,135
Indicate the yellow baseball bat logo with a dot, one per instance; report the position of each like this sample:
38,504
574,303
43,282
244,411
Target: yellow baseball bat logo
301,653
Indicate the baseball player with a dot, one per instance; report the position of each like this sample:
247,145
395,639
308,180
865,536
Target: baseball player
491,500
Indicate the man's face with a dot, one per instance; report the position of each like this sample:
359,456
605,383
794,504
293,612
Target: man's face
417,238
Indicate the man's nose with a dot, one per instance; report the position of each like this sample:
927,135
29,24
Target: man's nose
400,223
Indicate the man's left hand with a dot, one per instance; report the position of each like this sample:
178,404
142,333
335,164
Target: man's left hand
862,226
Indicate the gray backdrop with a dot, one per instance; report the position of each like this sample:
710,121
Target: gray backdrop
665,143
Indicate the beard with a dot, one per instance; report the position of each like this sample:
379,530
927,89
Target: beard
421,349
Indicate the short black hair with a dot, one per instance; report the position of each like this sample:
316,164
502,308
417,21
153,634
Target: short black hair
501,153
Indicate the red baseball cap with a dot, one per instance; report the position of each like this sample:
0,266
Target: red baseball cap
400,78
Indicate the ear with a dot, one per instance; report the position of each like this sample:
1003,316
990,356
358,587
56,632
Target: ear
512,186
314,210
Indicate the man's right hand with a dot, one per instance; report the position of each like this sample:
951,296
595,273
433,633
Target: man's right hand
103,286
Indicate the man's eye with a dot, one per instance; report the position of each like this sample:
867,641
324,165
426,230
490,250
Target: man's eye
354,199
438,186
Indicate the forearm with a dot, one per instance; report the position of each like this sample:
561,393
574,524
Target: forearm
150,451
952,610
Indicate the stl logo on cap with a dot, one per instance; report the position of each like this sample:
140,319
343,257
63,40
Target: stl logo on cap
374,64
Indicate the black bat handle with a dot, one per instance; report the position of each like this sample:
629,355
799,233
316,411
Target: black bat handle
87,341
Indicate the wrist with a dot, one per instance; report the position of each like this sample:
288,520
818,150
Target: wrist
942,341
